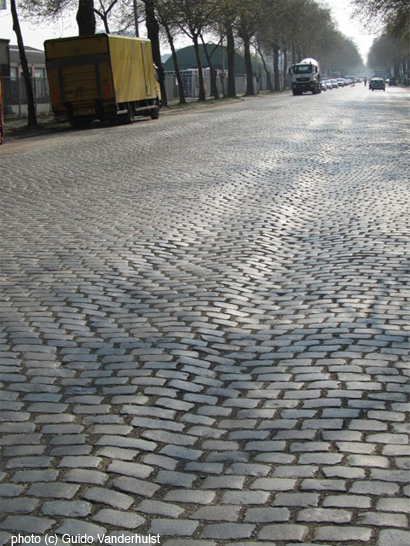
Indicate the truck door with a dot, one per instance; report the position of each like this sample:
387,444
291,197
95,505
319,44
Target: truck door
147,68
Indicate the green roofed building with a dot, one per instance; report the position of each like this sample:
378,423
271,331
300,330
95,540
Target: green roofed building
219,59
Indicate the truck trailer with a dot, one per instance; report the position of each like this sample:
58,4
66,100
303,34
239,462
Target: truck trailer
305,77
103,76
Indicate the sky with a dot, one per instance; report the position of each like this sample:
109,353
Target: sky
35,34
351,27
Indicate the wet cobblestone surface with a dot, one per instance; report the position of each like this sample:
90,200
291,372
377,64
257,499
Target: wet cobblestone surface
204,326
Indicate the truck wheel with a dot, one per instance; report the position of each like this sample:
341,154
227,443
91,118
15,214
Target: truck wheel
155,113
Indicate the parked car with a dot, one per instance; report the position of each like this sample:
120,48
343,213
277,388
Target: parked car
335,85
323,86
340,82
377,83
328,84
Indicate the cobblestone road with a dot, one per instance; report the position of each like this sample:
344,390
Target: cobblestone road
203,326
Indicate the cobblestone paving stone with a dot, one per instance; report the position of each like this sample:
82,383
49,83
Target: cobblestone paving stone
204,326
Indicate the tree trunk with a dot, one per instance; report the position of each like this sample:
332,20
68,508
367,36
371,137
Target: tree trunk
285,68
202,97
268,74
136,25
105,20
230,49
214,88
294,60
85,17
31,108
181,91
276,66
250,91
153,35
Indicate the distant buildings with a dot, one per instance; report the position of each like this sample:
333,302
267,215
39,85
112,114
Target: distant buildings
15,101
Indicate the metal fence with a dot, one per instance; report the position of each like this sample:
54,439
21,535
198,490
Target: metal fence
15,96
191,83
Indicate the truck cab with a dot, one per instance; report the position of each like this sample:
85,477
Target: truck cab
306,77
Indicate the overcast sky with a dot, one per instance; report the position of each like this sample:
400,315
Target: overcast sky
35,34
349,26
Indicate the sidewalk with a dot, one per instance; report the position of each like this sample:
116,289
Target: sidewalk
16,127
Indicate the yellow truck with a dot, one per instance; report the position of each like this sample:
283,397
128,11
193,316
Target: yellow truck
103,76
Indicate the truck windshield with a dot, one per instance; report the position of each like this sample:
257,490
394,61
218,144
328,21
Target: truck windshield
302,69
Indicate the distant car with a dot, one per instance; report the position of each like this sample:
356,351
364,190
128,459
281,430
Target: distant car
377,83
328,84
323,86
340,82
334,83
392,81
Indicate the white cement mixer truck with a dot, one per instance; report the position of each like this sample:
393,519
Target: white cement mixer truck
306,77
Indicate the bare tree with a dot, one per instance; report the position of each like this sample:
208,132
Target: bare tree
31,108
391,55
227,14
167,18
103,12
394,14
247,22
193,18
85,17
272,31
52,9
265,66
208,55
230,51
153,34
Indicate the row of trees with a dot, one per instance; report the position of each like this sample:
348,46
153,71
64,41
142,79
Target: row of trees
390,51
394,15
391,56
290,29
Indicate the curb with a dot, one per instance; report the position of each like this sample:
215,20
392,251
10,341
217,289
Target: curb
16,129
